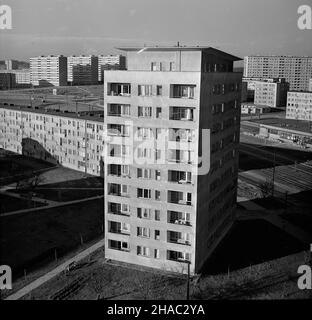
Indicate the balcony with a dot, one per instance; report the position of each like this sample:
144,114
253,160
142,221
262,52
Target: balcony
183,91
119,228
178,256
180,156
118,170
119,89
180,135
118,190
181,114
117,130
180,177
178,238
119,245
178,197
180,218
118,110
118,209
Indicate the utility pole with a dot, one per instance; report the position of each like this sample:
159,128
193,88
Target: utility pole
188,281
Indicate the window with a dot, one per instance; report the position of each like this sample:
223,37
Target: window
125,227
124,189
156,253
157,215
157,174
157,195
143,213
144,153
145,133
153,66
157,235
143,251
144,193
172,66
183,91
144,173
145,112
159,90
143,232
145,90
158,112
157,154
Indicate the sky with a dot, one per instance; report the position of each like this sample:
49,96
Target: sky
240,27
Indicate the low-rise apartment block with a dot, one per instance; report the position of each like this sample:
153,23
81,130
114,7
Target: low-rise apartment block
299,105
271,92
65,138
171,123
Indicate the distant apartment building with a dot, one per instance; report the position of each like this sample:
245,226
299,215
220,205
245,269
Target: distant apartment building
310,85
299,105
110,62
68,139
7,80
171,122
249,84
11,64
48,71
271,92
82,70
11,79
296,70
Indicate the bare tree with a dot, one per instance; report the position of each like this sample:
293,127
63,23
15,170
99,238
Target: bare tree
266,188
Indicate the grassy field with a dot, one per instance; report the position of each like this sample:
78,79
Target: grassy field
8,204
98,278
18,165
69,190
248,243
30,239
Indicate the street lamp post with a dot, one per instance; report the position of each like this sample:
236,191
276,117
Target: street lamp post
188,281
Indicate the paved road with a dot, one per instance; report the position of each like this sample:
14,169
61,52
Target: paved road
48,276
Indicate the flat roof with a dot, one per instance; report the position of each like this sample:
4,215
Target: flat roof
82,115
300,126
251,104
297,91
180,48
276,56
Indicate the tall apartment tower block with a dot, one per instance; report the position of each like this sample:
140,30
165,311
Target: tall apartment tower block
82,70
48,71
296,70
110,62
171,126
11,64
271,92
